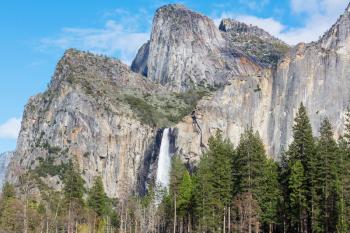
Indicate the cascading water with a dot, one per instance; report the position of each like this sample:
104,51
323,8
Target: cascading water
164,160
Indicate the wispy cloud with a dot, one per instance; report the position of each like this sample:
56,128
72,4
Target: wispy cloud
120,37
10,129
319,15
254,5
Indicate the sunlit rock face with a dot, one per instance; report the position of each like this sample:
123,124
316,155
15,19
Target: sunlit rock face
80,118
315,74
88,112
187,50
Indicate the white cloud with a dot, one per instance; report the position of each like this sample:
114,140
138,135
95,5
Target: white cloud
268,24
254,5
318,15
10,129
113,39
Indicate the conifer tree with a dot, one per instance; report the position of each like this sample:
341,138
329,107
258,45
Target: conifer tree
326,179
269,194
8,191
73,191
185,193
203,193
343,186
176,176
73,184
185,199
247,173
97,198
221,153
302,149
298,197
284,210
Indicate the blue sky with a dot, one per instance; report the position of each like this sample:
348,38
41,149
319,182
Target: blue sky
35,34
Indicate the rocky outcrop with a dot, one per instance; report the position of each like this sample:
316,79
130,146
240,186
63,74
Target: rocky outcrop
315,74
102,116
186,50
253,41
81,118
139,64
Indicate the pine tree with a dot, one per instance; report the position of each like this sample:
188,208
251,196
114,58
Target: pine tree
185,199
343,186
185,193
73,191
97,198
203,194
303,146
221,153
326,179
269,194
247,162
285,209
8,191
303,149
176,176
298,197
247,173
73,184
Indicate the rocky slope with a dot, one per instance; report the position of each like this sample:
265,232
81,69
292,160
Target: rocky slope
99,114
109,119
254,41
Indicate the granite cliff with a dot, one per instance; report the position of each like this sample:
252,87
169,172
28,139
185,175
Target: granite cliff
4,161
109,118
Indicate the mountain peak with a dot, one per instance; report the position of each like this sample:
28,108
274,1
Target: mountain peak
253,41
175,6
232,25
337,35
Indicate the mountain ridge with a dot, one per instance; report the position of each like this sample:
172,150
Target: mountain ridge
108,117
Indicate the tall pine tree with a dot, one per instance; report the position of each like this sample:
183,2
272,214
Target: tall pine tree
344,178
97,198
326,179
298,197
214,184
302,149
247,173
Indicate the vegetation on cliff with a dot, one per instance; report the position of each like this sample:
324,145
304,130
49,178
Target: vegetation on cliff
232,189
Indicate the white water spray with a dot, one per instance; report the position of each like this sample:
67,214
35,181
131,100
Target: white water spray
164,160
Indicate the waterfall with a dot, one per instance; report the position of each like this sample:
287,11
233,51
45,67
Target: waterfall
164,160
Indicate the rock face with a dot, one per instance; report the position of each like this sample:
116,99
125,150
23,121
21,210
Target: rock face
316,74
4,161
80,117
186,50
110,120
102,116
253,41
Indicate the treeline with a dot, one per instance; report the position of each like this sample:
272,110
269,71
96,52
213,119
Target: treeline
231,189
33,207
240,189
